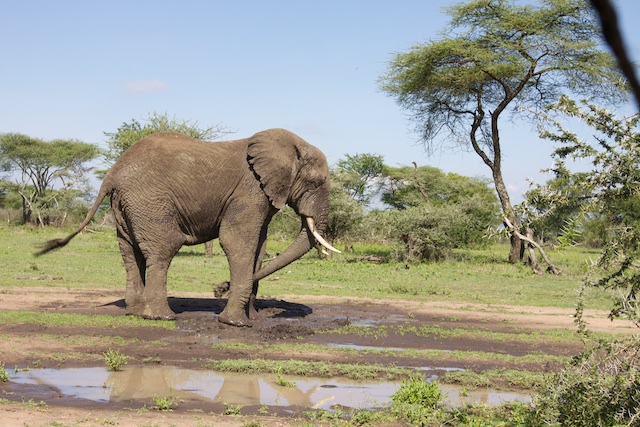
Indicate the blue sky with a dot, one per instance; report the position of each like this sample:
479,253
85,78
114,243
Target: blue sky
78,68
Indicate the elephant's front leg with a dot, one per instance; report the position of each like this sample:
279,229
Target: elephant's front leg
262,249
241,253
236,312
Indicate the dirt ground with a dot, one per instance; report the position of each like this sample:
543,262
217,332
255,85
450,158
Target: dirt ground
292,319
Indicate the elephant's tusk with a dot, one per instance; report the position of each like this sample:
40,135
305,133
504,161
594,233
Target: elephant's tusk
312,226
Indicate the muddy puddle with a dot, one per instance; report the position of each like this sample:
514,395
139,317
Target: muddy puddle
144,383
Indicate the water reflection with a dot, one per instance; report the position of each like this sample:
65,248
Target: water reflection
143,383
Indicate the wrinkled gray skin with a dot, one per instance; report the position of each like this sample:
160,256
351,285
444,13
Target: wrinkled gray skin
168,190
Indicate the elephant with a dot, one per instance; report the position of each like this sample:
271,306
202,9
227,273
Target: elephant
168,190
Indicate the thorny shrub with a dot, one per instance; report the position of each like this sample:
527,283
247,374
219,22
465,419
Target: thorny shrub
601,387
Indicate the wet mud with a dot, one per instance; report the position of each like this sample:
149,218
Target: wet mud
63,365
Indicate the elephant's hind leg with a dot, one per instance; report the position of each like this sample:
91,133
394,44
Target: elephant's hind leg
156,305
135,266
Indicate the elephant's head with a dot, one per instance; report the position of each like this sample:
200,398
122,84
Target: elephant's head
294,172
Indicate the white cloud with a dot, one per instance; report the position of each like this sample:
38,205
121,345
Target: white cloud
146,86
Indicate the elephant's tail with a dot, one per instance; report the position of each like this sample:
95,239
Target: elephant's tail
105,189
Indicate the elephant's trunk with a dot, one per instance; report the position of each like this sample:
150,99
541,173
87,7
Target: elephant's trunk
300,246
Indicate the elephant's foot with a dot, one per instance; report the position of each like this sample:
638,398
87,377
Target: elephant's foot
171,316
135,309
146,312
253,312
234,318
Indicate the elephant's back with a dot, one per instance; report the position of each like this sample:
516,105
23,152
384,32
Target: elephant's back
168,156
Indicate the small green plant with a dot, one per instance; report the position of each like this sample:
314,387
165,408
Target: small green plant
362,418
4,375
252,424
164,403
30,403
264,410
399,288
114,359
231,409
416,391
283,382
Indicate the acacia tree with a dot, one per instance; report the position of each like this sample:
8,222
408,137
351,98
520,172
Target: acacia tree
500,58
357,173
41,164
130,132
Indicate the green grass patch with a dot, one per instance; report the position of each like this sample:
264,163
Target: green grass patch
309,369
262,350
92,260
73,319
4,375
114,359
548,335
496,378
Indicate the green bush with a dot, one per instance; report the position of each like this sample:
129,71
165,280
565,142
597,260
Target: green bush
4,375
417,400
601,387
285,225
428,232
416,391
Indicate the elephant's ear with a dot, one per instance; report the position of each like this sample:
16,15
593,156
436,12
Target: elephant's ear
273,157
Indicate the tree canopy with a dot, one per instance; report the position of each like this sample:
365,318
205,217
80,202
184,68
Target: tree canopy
43,163
132,131
357,173
408,186
498,56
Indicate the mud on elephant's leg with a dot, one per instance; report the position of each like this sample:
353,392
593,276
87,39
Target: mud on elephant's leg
236,312
262,250
221,289
155,304
253,310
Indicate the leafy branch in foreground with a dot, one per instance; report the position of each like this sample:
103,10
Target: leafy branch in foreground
610,193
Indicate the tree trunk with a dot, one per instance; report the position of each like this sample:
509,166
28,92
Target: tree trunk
209,248
26,212
516,252
533,260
